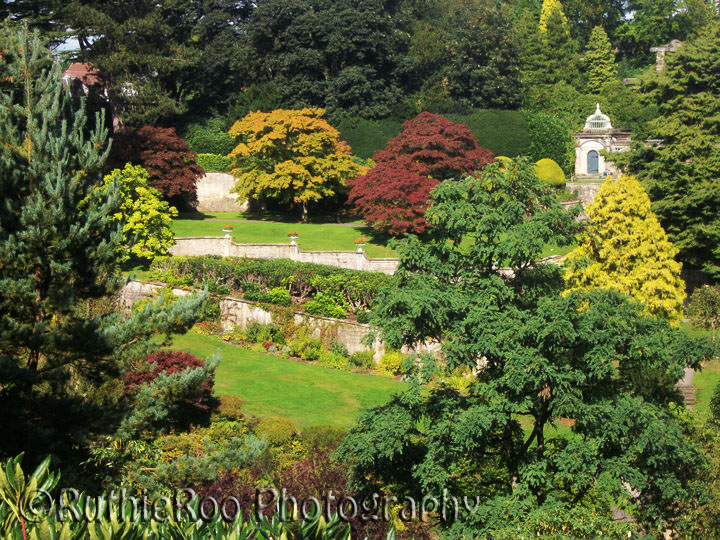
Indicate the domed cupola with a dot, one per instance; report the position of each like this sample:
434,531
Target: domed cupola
598,121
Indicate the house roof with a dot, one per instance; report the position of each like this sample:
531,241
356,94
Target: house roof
87,74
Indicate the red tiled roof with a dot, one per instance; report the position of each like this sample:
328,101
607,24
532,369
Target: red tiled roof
87,74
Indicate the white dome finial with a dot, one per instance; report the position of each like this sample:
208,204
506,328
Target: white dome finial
598,120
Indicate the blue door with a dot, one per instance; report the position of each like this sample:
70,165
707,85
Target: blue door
593,162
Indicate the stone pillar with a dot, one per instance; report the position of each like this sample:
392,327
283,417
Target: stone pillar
226,246
359,258
294,251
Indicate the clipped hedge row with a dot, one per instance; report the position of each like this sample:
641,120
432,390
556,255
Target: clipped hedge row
503,132
222,275
214,162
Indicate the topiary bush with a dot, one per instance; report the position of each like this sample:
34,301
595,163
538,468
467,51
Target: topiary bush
549,171
210,137
551,138
276,430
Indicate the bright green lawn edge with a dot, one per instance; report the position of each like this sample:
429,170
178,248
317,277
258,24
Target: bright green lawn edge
304,393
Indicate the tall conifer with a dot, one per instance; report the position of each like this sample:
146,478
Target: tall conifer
599,61
626,250
59,336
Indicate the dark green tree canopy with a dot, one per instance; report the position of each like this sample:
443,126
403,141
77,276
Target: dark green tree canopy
551,56
681,173
157,57
60,339
346,55
531,356
484,58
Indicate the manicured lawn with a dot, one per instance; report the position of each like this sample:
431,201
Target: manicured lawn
306,394
313,236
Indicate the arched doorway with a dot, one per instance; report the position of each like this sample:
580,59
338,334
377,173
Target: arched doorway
593,162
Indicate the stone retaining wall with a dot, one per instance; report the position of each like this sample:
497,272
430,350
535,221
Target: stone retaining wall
225,247
238,312
585,191
214,194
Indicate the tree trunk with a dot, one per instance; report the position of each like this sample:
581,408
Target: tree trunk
304,212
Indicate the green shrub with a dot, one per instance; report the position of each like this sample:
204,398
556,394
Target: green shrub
235,335
363,316
305,347
255,276
327,305
206,328
214,162
209,137
324,436
311,354
549,171
332,360
551,138
363,359
280,296
338,348
276,430
258,333
715,403
210,311
391,362
229,408
257,347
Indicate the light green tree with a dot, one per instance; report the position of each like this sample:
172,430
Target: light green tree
599,61
704,308
626,249
550,8
146,219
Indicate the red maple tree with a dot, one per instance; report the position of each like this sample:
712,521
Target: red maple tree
393,196
164,155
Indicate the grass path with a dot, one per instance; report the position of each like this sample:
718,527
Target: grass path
306,394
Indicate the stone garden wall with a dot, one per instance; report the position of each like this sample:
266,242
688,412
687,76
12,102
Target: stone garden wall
585,191
238,312
214,194
225,247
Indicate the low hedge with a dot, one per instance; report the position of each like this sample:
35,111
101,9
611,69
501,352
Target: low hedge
261,277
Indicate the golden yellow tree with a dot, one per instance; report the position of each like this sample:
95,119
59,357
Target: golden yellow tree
626,249
293,156
548,8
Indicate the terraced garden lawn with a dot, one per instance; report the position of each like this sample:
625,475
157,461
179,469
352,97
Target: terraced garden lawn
313,236
705,382
306,394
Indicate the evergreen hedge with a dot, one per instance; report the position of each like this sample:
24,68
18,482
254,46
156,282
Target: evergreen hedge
214,162
503,132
